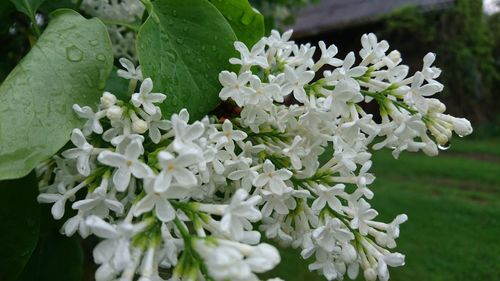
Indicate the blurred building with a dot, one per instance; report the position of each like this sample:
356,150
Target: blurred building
331,15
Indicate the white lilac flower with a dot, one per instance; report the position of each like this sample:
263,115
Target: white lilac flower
373,50
59,201
127,164
175,168
185,134
418,92
328,195
295,151
363,213
155,123
239,213
99,202
296,79
145,98
159,201
430,72
92,124
334,231
262,258
166,193
235,86
272,178
81,153
244,173
263,94
131,72
228,136
327,56
255,56
108,100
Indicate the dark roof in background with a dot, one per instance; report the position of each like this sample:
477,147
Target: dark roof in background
336,14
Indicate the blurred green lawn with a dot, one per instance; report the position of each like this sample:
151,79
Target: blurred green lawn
453,205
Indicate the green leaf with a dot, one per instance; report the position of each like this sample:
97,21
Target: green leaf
52,5
19,215
117,85
69,64
28,7
56,257
247,23
183,46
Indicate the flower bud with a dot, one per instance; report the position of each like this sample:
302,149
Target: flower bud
349,253
462,126
436,106
108,99
114,113
430,149
370,274
140,126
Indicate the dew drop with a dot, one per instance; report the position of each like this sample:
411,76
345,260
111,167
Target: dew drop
445,146
214,48
100,57
174,12
88,80
185,29
74,54
180,41
247,18
102,79
93,42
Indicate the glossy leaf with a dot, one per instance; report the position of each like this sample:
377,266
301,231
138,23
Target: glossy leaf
28,7
56,257
183,46
51,5
247,23
20,219
117,85
69,64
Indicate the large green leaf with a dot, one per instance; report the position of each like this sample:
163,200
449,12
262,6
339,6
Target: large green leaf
52,5
56,257
28,7
247,23
69,64
20,219
117,85
183,46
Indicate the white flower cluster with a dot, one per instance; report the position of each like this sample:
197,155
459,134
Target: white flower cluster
117,14
173,194
323,209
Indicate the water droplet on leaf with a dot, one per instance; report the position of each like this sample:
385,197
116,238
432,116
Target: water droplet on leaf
74,54
100,57
93,42
247,18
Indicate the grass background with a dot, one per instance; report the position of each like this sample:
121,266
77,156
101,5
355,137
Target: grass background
453,205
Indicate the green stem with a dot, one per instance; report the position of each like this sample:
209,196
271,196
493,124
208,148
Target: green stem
36,28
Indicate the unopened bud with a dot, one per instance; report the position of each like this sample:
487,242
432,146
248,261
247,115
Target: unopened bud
108,99
114,113
462,127
140,126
